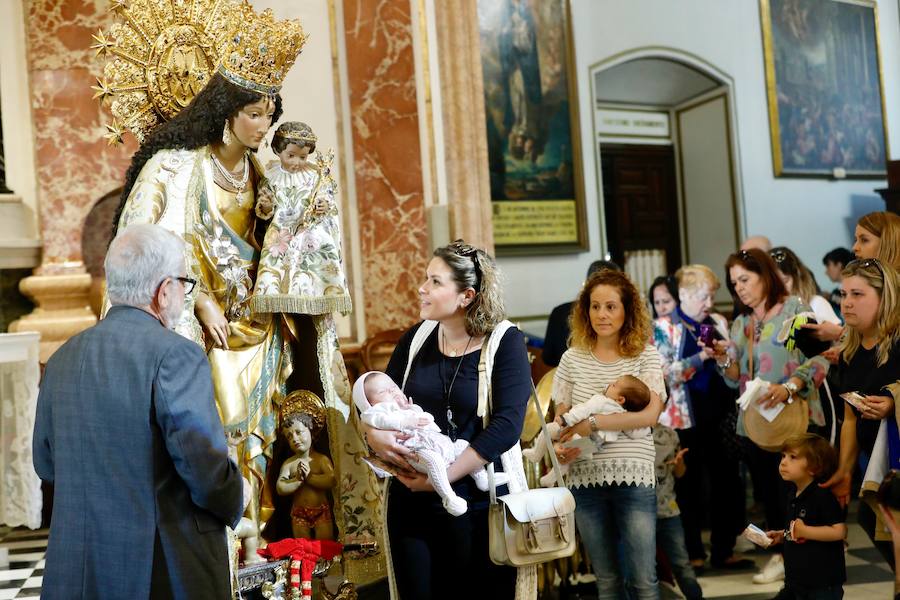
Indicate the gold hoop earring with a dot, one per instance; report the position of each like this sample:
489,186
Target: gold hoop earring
226,134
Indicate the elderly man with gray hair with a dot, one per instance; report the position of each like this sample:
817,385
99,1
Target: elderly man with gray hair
128,433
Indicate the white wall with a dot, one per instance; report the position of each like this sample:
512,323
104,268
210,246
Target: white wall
809,215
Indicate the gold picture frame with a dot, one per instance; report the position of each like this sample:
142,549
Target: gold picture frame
534,146
825,90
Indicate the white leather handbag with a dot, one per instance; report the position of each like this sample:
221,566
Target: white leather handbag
533,526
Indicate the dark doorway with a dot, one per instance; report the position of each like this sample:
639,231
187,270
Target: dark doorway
640,200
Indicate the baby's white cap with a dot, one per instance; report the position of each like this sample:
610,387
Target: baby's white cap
359,391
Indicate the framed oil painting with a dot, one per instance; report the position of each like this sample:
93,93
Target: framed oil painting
824,85
534,152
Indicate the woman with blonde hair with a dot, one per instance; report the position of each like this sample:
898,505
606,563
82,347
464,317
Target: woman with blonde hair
877,235
700,404
870,366
614,484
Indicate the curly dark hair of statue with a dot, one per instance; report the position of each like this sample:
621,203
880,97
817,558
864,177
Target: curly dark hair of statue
199,124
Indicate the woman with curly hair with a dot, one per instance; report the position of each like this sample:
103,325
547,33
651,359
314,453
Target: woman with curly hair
614,485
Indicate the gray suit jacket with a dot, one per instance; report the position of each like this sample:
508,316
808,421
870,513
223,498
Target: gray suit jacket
127,431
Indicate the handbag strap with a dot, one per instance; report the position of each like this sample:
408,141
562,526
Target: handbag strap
750,347
553,458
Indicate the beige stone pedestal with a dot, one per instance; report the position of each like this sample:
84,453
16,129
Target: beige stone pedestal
63,308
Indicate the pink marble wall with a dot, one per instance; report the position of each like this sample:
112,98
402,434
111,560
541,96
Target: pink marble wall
387,167
75,167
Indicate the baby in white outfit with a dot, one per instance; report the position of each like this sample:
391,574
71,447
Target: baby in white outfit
383,405
625,394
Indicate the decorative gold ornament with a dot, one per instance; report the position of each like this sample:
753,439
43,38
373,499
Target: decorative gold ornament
304,402
114,133
161,53
260,50
296,132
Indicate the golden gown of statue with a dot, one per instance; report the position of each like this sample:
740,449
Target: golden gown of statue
176,189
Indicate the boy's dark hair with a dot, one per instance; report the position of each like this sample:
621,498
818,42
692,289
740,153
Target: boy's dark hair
636,393
840,256
821,457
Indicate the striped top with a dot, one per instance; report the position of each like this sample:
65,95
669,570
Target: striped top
625,461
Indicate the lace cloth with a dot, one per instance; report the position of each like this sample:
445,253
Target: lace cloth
20,487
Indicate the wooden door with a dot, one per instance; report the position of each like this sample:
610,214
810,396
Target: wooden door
640,200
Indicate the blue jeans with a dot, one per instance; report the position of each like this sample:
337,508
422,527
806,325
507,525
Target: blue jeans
604,513
670,538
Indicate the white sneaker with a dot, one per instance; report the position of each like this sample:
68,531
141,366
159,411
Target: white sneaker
772,572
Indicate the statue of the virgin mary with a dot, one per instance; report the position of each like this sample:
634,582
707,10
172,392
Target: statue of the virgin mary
198,84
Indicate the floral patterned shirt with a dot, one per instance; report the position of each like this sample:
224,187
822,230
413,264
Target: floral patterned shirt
668,337
666,443
773,362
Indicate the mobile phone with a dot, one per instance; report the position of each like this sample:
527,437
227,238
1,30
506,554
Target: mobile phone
707,335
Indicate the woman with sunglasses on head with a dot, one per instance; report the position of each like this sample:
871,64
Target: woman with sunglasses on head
869,365
799,281
430,550
754,351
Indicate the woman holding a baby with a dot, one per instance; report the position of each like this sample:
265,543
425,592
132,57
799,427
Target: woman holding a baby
461,304
613,482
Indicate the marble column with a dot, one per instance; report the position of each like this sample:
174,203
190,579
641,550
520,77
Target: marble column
387,159
463,119
74,165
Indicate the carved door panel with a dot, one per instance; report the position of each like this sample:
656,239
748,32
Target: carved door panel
640,200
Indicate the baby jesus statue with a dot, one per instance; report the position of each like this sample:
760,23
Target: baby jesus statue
300,269
308,475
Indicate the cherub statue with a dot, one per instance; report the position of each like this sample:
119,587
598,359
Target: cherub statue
308,475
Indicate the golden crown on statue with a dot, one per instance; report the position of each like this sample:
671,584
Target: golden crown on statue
260,50
161,53
296,131
304,402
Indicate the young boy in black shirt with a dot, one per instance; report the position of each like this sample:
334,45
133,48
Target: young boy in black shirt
814,532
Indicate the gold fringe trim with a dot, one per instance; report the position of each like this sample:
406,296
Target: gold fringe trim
302,305
362,571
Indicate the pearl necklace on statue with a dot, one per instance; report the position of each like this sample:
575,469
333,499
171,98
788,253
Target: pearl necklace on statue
237,184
